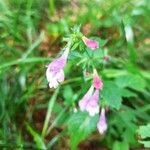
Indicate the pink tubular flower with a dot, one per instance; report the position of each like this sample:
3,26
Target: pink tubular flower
102,124
92,106
89,102
55,72
97,82
90,43
84,101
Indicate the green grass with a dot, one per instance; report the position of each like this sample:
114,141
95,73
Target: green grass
31,32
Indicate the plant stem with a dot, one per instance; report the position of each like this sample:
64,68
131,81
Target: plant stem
49,111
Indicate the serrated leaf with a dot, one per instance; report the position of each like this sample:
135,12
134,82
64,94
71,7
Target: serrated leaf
144,131
129,134
132,81
112,94
146,143
98,54
127,93
80,126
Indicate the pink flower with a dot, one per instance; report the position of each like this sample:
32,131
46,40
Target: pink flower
90,43
97,82
92,106
102,124
55,72
84,101
89,102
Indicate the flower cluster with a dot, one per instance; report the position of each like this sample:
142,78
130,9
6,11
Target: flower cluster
55,70
90,101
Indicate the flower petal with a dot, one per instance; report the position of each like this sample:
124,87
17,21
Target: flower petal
102,124
97,82
49,75
53,83
83,102
60,76
92,106
54,72
90,43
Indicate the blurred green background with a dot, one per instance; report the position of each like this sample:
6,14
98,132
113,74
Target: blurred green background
31,33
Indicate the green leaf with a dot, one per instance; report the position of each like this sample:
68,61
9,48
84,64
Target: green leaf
100,41
74,55
129,134
146,143
144,132
127,93
75,46
135,82
68,94
112,94
37,138
120,145
98,55
80,126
